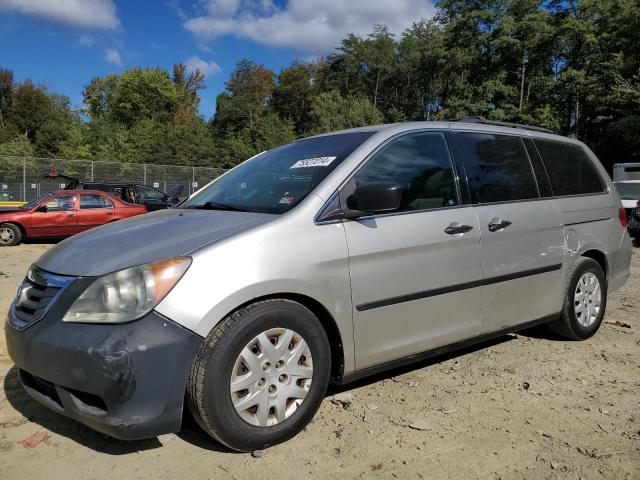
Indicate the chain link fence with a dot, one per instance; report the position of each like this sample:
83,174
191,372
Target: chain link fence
23,178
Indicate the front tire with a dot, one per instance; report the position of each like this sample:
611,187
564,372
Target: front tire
585,301
260,375
10,234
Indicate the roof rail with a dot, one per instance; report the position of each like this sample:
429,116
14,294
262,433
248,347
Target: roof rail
497,123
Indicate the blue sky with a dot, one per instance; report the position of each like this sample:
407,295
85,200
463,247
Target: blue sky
63,44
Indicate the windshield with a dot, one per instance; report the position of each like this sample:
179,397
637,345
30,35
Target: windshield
279,179
36,201
628,191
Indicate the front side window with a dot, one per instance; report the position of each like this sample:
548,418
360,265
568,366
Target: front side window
420,163
497,167
148,193
35,201
570,169
279,179
61,203
88,202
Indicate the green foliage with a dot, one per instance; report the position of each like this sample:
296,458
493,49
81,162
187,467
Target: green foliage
568,65
20,146
75,144
331,111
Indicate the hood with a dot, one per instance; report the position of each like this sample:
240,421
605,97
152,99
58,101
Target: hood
145,238
11,209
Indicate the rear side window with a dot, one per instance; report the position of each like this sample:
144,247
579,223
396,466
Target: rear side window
571,171
497,167
88,202
420,163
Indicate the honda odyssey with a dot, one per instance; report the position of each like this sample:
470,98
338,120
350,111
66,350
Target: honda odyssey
318,262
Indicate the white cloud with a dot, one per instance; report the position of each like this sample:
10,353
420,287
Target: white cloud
97,14
86,40
206,68
113,56
313,26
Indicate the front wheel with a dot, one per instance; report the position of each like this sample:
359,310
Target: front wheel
260,375
10,235
585,301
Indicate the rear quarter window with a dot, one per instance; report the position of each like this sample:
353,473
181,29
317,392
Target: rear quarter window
497,167
571,171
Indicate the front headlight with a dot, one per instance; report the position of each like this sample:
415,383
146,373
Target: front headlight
127,294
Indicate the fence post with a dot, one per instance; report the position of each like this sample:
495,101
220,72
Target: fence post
24,179
193,180
92,170
145,173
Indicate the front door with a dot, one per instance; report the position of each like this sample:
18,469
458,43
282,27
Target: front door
415,272
151,198
57,219
521,230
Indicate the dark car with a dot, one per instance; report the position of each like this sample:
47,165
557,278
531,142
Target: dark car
634,223
135,193
62,214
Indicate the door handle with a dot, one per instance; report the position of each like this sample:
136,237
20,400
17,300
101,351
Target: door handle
497,224
455,229
71,214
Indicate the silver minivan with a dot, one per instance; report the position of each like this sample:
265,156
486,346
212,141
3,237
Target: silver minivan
313,264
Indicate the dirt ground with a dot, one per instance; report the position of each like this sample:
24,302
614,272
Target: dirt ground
524,406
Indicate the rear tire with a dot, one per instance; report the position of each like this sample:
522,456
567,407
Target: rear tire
585,301
270,354
10,234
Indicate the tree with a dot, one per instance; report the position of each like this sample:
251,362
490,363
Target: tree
293,95
75,144
6,94
331,111
20,146
188,86
30,109
248,93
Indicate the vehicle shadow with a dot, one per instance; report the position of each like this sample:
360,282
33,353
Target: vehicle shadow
61,425
47,241
193,434
394,372
542,332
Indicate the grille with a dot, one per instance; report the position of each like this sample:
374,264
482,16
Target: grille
35,296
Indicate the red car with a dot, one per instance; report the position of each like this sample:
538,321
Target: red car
62,214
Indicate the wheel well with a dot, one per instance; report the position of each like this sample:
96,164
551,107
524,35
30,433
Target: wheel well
328,323
22,230
599,257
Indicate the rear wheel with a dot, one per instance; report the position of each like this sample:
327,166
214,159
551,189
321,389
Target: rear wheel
10,234
585,301
260,375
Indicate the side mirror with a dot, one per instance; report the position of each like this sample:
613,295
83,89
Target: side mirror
375,197
42,208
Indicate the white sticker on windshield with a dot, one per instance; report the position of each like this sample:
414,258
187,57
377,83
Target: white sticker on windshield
313,162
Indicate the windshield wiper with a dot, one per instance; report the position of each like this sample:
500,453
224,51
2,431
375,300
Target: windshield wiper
217,206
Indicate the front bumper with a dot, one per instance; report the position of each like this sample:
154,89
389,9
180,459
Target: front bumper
127,381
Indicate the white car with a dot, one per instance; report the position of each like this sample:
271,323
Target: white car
629,191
